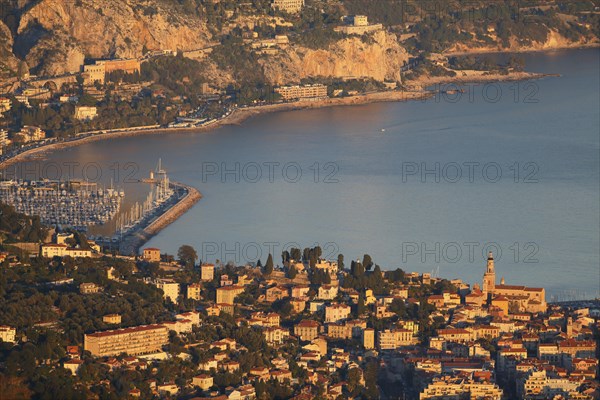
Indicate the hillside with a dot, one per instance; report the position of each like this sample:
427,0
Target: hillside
55,36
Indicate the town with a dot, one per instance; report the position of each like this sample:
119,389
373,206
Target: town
163,326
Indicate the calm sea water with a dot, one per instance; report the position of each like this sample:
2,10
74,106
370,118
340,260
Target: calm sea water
428,186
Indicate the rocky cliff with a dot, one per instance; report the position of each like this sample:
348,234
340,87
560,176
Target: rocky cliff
379,57
54,36
8,62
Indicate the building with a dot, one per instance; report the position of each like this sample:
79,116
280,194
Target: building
207,272
537,385
289,6
227,294
327,292
89,288
203,381
358,25
142,339
368,338
305,92
5,104
73,365
306,329
336,312
276,293
394,338
93,73
112,318
3,138
85,112
151,254
275,334
169,287
520,298
461,389
7,334
331,267
29,134
64,237
50,250
194,291
129,66
339,331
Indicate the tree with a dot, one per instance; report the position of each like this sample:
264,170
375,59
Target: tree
367,262
269,265
187,256
340,262
361,307
292,272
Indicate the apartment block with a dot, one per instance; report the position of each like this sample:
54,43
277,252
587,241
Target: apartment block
133,341
305,92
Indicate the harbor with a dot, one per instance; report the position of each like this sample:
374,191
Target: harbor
73,204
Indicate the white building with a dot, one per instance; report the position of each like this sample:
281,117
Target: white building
169,287
336,313
85,113
7,333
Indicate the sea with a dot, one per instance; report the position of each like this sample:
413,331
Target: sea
428,185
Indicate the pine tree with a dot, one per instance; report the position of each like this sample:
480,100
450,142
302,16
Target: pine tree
269,265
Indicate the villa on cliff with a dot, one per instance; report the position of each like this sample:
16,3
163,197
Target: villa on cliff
520,298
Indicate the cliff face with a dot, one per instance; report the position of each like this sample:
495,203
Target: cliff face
8,62
54,35
379,58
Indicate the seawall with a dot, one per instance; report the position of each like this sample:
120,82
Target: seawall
133,241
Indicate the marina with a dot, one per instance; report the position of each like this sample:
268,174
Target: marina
74,204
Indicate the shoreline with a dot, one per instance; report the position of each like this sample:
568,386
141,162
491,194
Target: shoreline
484,50
239,115
133,242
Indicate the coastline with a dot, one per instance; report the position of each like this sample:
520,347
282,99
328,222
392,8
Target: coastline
133,242
496,50
239,115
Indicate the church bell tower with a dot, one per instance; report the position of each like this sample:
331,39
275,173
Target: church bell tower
489,278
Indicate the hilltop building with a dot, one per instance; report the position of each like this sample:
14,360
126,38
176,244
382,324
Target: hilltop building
358,25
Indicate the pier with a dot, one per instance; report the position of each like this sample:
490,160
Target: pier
186,197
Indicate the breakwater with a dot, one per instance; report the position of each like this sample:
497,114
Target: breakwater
186,197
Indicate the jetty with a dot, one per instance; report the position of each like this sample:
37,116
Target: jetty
185,197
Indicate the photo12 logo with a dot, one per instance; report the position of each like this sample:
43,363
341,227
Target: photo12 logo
269,171
468,252
493,92
251,252
91,172
469,172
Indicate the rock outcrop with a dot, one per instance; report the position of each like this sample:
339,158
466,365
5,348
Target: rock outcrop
380,57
